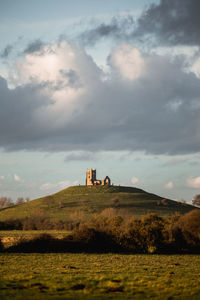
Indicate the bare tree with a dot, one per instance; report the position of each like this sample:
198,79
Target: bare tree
196,200
10,202
20,200
3,202
6,202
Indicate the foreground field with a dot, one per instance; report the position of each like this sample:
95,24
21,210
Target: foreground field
102,276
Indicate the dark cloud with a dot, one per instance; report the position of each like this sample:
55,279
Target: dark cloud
82,156
171,22
7,51
118,28
18,106
34,46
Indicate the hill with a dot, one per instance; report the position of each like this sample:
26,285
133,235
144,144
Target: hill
83,201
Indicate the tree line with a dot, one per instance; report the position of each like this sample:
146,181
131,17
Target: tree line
8,202
149,234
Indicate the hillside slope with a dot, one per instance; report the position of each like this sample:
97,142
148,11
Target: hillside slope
79,201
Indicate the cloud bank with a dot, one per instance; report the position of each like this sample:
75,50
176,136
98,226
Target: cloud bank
168,23
172,22
61,100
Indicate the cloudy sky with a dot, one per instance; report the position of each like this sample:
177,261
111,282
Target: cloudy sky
112,85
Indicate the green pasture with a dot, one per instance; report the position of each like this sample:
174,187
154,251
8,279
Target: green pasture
99,276
82,202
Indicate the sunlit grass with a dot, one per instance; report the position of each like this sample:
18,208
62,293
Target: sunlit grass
10,237
92,276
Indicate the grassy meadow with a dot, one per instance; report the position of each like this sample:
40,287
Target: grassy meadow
82,202
99,276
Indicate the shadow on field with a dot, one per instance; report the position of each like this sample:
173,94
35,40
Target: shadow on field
95,242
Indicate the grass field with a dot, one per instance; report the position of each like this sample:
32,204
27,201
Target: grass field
83,202
102,276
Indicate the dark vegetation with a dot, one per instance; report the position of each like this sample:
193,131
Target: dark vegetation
38,222
101,234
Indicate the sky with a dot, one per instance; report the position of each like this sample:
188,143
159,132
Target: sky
110,85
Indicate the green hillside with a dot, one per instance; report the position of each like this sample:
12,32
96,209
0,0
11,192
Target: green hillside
83,201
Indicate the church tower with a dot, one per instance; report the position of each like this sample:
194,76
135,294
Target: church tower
90,177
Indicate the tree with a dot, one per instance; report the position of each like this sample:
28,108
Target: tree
27,199
20,200
196,200
5,202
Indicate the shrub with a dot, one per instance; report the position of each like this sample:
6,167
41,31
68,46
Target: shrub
41,243
190,227
37,223
151,229
1,246
150,234
190,222
196,200
11,224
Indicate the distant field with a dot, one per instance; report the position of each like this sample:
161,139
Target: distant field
102,276
9,237
23,233
82,202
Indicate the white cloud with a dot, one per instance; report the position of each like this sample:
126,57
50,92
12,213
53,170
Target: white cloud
47,186
59,185
64,72
169,185
63,184
17,178
193,182
134,180
128,61
76,182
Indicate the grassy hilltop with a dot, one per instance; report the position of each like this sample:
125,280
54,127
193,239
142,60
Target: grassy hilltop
79,201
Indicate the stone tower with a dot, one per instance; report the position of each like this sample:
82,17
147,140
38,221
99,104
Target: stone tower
90,177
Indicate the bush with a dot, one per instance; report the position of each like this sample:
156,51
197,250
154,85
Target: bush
190,222
1,246
42,243
37,223
190,228
11,225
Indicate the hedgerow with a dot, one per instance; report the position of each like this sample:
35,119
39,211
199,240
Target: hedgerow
150,234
